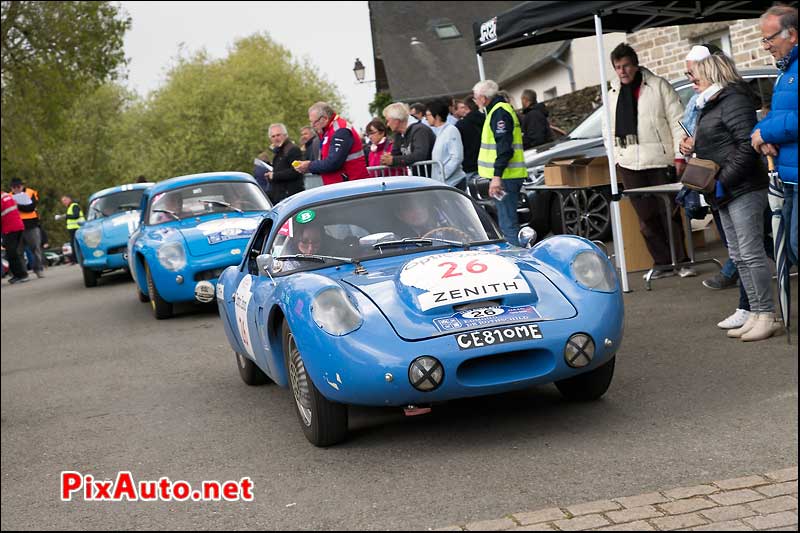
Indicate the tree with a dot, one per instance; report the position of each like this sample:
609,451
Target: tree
213,115
381,100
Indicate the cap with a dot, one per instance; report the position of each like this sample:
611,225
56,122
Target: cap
698,53
15,182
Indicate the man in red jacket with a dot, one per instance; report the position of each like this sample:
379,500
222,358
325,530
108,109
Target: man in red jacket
341,152
12,228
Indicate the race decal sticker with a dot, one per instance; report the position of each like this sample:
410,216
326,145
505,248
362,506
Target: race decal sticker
241,300
453,278
225,229
486,316
305,216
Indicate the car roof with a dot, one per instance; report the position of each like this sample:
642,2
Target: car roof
354,188
194,179
120,188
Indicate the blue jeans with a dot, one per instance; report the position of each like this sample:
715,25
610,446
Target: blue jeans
507,210
743,221
790,219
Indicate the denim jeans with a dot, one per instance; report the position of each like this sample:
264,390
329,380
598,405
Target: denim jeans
507,210
790,219
743,222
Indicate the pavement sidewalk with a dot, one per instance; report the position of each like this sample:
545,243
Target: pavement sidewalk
757,502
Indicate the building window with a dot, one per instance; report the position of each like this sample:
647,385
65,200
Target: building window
447,31
721,39
550,93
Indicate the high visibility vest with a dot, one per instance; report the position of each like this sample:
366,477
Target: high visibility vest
35,197
355,166
73,223
488,152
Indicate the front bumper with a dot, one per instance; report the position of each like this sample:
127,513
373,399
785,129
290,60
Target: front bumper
355,368
180,285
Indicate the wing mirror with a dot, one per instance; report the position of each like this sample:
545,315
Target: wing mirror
264,262
526,237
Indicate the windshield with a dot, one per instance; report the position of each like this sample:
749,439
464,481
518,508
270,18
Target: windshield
105,206
371,226
206,198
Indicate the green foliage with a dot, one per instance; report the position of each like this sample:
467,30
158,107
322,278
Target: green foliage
214,114
381,100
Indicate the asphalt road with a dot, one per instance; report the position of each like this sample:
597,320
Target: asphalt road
91,382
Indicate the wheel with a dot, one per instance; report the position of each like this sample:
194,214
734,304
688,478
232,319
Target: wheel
589,385
161,308
249,371
142,297
89,277
444,232
595,209
324,422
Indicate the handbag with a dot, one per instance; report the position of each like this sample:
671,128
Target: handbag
700,175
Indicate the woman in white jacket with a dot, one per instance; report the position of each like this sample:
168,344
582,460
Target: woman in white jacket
448,148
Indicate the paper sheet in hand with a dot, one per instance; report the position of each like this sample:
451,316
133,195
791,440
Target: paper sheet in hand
263,164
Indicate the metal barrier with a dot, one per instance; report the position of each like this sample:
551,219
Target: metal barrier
421,168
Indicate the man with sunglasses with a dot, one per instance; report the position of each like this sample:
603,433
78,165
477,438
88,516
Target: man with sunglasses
776,134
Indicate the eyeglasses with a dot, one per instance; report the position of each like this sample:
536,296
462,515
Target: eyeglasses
768,40
321,117
311,241
689,75
373,132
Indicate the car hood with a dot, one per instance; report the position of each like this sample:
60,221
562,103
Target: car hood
430,295
541,155
118,227
219,234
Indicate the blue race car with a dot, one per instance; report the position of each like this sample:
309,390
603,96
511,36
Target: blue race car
192,227
102,241
401,292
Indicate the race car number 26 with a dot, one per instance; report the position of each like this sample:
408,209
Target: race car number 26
495,336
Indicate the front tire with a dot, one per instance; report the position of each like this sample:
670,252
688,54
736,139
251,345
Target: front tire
323,422
89,277
161,308
589,385
249,371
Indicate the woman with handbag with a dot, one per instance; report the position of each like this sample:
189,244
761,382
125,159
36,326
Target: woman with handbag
727,116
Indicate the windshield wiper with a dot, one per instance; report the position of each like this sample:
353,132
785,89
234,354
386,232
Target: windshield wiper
323,258
173,215
223,204
427,241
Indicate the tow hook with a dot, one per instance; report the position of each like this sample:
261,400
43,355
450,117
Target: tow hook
413,410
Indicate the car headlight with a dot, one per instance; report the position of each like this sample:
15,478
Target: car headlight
593,272
172,256
92,237
333,312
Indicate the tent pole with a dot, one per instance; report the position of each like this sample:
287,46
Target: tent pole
481,73
616,221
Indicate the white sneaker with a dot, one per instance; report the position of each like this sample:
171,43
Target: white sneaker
736,320
687,272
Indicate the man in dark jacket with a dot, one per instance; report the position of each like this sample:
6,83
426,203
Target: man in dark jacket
310,143
535,127
412,142
284,179
470,128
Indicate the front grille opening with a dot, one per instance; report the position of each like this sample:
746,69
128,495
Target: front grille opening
507,367
117,250
208,275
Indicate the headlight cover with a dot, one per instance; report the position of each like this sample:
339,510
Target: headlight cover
92,237
172,256
334,313
593,272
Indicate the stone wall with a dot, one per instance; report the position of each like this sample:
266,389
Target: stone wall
663,50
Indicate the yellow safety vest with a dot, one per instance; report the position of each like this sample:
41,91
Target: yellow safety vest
488,154
73,223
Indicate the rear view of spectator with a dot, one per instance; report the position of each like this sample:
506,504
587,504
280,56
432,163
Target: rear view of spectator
412,142
447,149
470,128
535,128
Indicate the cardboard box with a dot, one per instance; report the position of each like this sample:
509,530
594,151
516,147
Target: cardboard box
578,172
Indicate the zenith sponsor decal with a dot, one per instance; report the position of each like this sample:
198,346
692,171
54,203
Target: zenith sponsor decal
76,485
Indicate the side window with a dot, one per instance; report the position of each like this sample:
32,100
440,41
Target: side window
257,245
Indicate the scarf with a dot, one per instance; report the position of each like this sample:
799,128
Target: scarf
707,95
784,62
627,123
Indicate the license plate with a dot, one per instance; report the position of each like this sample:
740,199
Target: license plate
496,336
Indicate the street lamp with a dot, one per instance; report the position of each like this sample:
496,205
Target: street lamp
359,70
